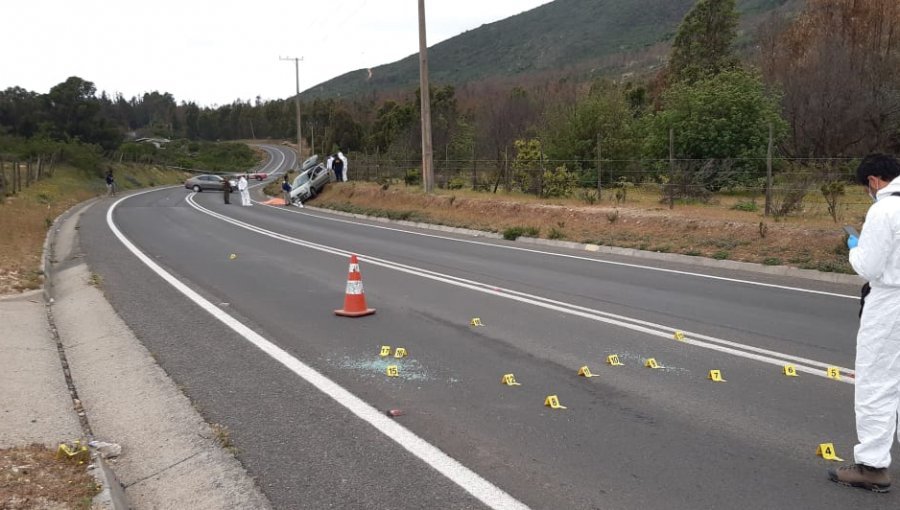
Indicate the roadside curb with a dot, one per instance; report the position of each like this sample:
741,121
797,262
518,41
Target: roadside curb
794,272
111,496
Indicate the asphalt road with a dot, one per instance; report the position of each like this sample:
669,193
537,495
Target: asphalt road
633,437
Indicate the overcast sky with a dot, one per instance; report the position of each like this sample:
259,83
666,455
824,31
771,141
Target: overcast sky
214,52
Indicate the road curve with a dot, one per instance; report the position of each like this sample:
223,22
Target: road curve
631,437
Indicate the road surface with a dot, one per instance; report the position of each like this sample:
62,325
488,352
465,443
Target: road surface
253,341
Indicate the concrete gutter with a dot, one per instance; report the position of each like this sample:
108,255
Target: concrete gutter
787,271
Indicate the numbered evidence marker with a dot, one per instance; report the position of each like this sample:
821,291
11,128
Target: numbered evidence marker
613,359
586,372
509,380
679,335
392,371
826,451
715,376
400,353
651,363
790,371
385,351
552,401
834,373
476,322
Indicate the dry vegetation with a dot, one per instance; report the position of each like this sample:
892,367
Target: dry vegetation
810,240
25,217
32,478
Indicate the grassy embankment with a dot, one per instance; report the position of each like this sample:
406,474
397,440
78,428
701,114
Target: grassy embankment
26,216
729,227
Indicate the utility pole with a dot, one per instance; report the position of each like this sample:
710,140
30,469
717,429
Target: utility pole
425,95
297,104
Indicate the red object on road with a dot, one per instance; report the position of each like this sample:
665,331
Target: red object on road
393,413
355,297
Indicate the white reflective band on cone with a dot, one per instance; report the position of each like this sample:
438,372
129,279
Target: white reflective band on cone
354,288
354,268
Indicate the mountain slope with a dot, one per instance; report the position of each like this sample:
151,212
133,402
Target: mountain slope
599,36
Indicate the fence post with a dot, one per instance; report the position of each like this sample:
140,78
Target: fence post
769,172
2,181
506,175
474,168
599,170
671,168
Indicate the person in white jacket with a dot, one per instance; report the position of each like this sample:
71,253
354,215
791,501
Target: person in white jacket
875,256
245,193
343,159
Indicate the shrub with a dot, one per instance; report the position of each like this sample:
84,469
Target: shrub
556,233
746,206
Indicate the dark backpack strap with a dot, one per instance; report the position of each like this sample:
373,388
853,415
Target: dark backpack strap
895,194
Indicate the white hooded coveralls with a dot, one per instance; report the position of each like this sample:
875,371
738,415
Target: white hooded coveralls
877,393
343,159
245,193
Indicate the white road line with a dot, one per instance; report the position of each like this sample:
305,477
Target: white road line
474,484
569,256
658,330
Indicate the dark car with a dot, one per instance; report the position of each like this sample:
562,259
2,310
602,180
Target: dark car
200,183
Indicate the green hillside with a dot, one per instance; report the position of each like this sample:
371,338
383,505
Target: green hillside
589,37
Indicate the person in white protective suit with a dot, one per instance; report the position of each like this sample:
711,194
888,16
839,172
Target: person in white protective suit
875,256
245,193
343,158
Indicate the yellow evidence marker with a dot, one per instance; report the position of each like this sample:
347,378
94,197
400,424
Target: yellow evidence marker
385,351
392,371
715,376
679,335
586,372
790,371
476,322
613,359
826,451
651,363
400,353
232,256
834,373
552,402
509,380
77,453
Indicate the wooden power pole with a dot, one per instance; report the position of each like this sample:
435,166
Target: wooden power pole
425,95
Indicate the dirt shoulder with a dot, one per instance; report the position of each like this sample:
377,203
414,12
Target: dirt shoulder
715,231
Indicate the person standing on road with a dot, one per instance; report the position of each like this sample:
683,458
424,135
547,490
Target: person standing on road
338,166
340,156
286,191
226,190
245,193
875,256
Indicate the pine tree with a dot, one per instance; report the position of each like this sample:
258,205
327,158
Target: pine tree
704,43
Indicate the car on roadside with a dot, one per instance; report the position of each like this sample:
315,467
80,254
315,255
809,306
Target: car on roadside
259,176
199,183
311,181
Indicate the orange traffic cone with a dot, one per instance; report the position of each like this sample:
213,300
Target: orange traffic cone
355,297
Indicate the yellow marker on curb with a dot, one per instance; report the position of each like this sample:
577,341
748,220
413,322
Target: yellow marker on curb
392,371
232,256
679,335
651,363
476,322
552,401
385,351
400,353
790,371
826,451
586,372
613,359
834,373
715,376
77,453
509,380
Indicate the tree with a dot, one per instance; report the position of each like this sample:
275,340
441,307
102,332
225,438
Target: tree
725,116
74,114
704,43
838,64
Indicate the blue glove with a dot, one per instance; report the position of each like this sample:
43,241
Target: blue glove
852,242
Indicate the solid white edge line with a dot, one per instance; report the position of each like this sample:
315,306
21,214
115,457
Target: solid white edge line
576,257
653,329
471,482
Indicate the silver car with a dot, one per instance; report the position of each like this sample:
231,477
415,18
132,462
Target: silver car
312,179
200,183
